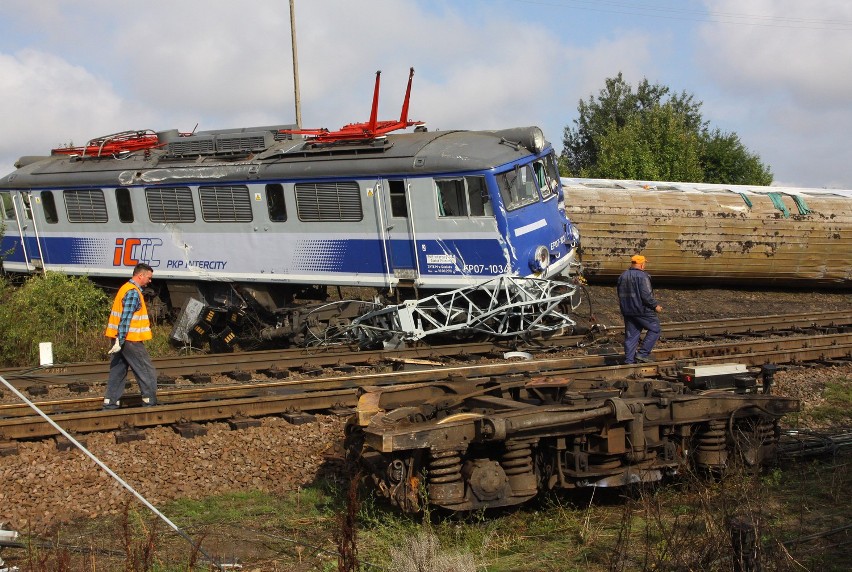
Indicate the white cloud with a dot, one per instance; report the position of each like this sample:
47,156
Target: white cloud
48,102
784,80
590,66
801,48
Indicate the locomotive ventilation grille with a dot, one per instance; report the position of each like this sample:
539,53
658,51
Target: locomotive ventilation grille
221,144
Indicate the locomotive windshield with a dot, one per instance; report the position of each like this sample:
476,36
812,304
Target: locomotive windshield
518,187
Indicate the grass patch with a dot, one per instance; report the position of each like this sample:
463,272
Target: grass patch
684,525
832,408
837,408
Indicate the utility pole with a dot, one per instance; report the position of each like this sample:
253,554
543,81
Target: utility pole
295,64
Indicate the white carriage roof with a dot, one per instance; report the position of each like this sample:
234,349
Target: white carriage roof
617,184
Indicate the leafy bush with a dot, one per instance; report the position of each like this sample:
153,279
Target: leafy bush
69,311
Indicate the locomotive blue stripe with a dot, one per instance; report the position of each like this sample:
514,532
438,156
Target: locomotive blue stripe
460,256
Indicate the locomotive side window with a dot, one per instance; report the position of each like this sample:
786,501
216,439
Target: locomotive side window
48,204
28,209
518,187
451,201
552,171
85,205
7,210
275,202
170,204
229,203
399,206
543,179
477,196
329,202
125,207
462,197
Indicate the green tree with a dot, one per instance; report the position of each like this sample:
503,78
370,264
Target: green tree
654,134
724,159
657,145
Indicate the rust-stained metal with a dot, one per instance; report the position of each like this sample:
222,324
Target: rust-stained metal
713,233
484,444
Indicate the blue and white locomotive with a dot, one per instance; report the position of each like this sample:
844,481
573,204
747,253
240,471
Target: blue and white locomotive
266,216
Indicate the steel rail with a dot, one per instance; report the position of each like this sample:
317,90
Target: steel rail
775,322
273,398
288,359
580,367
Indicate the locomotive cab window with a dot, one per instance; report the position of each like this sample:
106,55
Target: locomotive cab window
28,208
48,204
451,198
399,205
275,202
8,210
477,196
125,207
552,170
518,187
543,179
227,203
467,196
85,205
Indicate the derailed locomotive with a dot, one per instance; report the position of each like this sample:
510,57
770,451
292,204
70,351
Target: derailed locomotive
244,225
471,444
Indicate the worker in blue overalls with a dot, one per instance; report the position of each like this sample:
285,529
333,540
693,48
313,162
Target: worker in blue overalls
639,309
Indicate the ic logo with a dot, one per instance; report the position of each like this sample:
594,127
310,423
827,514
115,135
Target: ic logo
132,251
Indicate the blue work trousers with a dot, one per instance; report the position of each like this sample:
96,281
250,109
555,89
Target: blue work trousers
633,326
134,356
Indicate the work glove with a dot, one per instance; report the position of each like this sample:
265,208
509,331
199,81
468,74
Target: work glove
115,348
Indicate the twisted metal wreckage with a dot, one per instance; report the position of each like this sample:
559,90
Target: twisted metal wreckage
503,307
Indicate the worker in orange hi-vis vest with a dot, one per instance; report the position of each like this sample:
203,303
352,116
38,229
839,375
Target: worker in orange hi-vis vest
130,327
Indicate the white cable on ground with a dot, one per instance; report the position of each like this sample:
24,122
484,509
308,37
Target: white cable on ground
109,471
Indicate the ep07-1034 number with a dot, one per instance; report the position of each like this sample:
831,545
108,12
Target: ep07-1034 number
484,269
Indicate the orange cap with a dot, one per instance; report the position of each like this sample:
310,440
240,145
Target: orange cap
637,259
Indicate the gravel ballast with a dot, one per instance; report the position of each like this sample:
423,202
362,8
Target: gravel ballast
44,486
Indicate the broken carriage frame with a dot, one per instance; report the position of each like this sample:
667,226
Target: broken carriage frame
500,307
474,444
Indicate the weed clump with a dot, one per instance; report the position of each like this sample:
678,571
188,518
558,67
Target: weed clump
423,553
69,311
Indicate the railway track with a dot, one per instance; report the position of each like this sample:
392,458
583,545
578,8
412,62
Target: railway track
280,363
239,403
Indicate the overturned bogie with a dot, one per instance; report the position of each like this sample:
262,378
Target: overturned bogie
499,445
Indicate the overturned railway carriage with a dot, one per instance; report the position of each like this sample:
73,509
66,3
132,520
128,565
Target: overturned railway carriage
473,445
705,233
248,221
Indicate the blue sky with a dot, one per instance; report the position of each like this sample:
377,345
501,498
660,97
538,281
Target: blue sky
777,72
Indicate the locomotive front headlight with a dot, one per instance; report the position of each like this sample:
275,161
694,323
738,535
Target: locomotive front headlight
575,234
540,259
537,139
